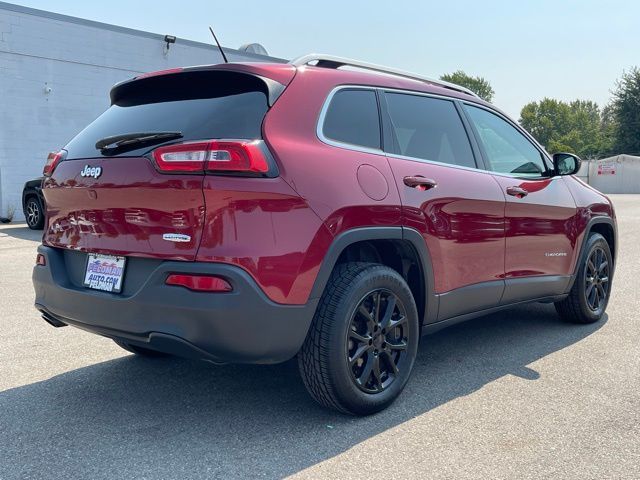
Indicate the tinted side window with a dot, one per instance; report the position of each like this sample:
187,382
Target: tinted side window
508,150
352,117
429,128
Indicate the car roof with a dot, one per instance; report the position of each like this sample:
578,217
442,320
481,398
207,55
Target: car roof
342,76
384,80
284,73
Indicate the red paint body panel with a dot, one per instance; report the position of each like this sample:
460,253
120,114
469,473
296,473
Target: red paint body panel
125,211
263,226
541,233
279,230
326,176
461,220
590,204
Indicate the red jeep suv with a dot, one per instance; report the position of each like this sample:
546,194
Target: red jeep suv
252,212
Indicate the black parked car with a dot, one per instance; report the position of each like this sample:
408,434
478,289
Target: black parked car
33,204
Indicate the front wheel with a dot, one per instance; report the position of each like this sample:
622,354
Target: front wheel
591,289
362,344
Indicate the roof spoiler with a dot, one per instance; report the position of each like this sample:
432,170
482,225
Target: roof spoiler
273,89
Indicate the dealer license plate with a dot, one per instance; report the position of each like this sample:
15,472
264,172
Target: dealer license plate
104,272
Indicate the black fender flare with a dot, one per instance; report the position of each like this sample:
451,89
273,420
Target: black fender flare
355,235
599,219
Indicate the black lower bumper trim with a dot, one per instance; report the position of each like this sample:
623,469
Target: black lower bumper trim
243,326
155,340
50,319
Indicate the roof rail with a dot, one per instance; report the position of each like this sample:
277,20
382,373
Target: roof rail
331,61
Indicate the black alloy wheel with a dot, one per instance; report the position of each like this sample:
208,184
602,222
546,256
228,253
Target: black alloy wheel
596,281
377,341
588,298
363,341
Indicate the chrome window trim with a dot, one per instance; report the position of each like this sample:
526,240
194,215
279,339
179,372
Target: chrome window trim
357,148
518,177
435,162
374,151
337,143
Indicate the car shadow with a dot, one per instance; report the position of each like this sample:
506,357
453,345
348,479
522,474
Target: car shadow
173,418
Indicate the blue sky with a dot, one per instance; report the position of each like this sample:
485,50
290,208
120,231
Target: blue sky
527,49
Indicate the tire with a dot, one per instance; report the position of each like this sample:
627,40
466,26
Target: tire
345,343
589,296
145,352
33,214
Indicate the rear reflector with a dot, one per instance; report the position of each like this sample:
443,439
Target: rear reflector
53,160
41,260
242,156
199,283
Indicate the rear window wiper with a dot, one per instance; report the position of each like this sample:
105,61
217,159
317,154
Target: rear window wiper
117,142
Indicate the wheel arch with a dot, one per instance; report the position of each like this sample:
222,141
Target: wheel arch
400,248
607,230
27,195
605,226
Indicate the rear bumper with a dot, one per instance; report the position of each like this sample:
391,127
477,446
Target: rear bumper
242,326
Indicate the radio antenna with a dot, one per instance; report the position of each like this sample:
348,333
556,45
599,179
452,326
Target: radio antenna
224,57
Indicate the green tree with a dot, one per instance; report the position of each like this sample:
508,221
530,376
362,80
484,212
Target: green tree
608,129
547,120
578,127
586,128
478,85
626,113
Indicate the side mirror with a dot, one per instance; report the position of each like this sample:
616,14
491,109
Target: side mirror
566,163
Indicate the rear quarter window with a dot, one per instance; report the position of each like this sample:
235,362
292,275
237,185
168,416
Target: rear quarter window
352,117
201,105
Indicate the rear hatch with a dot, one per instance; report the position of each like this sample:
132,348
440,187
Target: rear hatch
131,183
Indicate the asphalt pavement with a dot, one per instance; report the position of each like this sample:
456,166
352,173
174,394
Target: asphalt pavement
518,394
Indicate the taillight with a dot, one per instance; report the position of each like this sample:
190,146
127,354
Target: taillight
199,283
41,260
224,156
183,157
53,160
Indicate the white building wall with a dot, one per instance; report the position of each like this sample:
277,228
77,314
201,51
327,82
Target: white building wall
583,173
79,61
619,174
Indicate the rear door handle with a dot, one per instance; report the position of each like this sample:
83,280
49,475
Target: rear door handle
419,182
518,192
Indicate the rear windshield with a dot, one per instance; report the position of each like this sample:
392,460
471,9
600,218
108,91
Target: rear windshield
201,105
